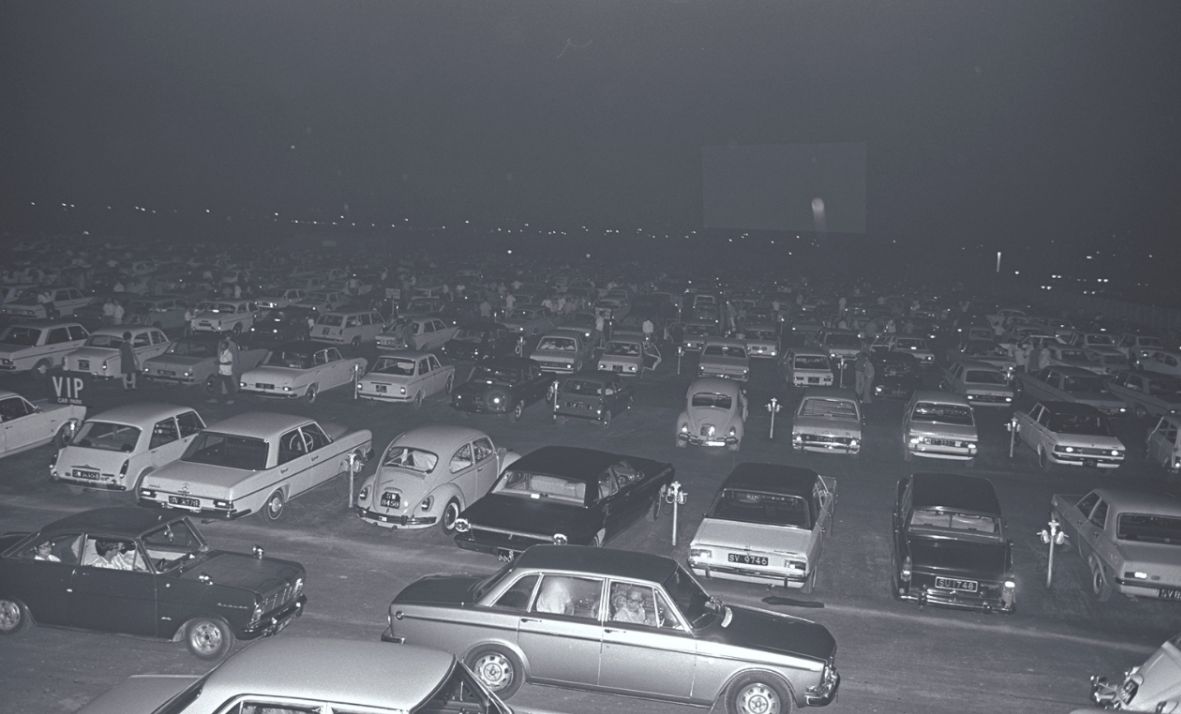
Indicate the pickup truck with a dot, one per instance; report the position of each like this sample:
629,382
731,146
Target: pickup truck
1072,384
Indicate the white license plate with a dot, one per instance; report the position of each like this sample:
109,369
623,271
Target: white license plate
84,474
184,501
957,584
1169,593
746,559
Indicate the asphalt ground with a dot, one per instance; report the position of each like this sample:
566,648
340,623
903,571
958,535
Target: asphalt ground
893,656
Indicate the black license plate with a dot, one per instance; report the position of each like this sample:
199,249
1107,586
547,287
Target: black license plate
89,475
261,385
747,559
166,372
1169,593
1090,463
617,367
83,364
184,501
813,380
957,584
381,388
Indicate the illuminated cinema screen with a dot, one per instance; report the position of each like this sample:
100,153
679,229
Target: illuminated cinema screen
815,188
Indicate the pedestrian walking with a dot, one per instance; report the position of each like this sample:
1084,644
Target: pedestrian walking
189,315
128,365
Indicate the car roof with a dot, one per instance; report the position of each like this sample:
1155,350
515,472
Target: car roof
1071,371
829,393
945,490
809,352
336,670
508,363
713,384
600,561
887,356
139,412
569,461
42,323
260,425
435,433
1143,501
128,521
5,394
976,364
404,354
118,331
772,478
725,341
302,346
1069,407
931,395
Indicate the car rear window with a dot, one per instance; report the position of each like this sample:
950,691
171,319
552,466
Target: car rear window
775,509
711,399
1149,528
330,320
811,362
17,335
943,413
816,407
107,436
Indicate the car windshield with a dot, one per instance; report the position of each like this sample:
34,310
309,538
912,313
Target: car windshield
192,348
1092,384
558,344
1104,340
696,605
108,341
289,358
983,376
582,386
469,335
172,544
235,452
943,413
697,330
1082,424
492,375
18,335
984,348
773,509
218,307
411,459
910,343
711,399
623,349
1073,356
897,367
400,366
459,692
810,362
330,320
843,341
730,351
1149,528
949,520
107,436
421,306
761,335
551,487
821,407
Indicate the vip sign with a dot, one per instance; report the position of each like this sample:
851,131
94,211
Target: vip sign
68,388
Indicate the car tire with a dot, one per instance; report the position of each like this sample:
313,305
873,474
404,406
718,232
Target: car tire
312,393
273,509
418,400
139,480
518,410
498,669
208,638
597,541
42,368
1101,585
14,617
757,693
449,516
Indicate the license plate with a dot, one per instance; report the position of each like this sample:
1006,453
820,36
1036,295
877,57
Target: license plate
504,555
1089,463
1169,593
813,380
184,501
747,559
261,385
166,372
957,584
90,475
83,364
617,367
381,388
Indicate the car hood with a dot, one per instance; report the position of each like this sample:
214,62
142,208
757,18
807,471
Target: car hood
175,361
844,427
773,632
439,590
7,350
556,354
711,415
952,431
140,692
199,479
273,374
755,536
243,572
977,559
94,353
533,516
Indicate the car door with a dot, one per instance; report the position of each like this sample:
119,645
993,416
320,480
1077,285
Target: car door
294,464
562,634
322,455
824,499
159,343
19,424
487,463
438,376
641,628
112,600
164,445
141,345
44,585
462,473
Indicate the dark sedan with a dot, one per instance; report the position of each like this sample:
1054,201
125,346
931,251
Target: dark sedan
504,385
895,374
562,494
140,572
483,341
282,324
950,546
596,396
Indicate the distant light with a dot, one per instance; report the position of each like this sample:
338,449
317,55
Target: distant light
509,251
208,211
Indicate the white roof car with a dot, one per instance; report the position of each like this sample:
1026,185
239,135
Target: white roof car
715,414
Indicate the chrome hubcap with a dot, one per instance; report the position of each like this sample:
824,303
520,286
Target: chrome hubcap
275,505
494,671
206,637
758,699
10,615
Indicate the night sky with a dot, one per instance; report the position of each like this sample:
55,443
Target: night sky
985,121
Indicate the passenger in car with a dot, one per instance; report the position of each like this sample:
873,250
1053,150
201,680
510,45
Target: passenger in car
555,597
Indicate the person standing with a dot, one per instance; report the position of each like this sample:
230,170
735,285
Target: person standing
127,362
600,327
117,312
870,373
227,368
648,329
858,374
189,315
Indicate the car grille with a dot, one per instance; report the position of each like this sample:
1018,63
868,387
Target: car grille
264,385
991,398
554,365
826,439
1084,451
278,598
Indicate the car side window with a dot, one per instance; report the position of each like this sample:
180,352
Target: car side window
141,340
14,408
1099,516
320,357
77,332
423,366
332,354
291,446
158,338
482,448
433,362
269,705
315,437
352,321
190,423
164,432
462,459
608,486
1086,503
1044,417
570,596
58,549
519,595
57,336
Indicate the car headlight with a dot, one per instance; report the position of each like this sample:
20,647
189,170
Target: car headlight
1116,452
426,503
971,446
602,366
1069,449
853,443
631,368
104,365
560,539
241,384
286,388
363,494
684,428
1008,399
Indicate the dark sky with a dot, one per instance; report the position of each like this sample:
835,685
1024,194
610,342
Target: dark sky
990,120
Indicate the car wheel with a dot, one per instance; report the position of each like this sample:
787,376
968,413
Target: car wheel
14,616
311,394
518,410
449,516
63,436
497,669
1100,582
757,694
273,509
42,367
139,480
208,638
1043,459
418,400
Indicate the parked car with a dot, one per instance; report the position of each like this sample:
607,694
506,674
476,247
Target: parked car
1055,355
694,335
562,494
629,354
101,356
1129,540
841,345
193,360
274,299
301,369
235,316
986,351
808,368
1147,394
828,420
29,306
406,376
255,462
950,546
724,358
982,384
1162,447
347,327
529,321
895,374
939,425
599,396
39,345
762,340
212,597
715,414
675,642
1154,686
918,346
767,525
484,340
500,386
1162,362
165,312
1072,384
115,449
562,351
584,322
26,424
1136,346
323,300
282,324
332,675
1071,434
427,476
425,334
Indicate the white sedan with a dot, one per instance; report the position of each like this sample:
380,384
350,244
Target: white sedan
100,355
26,425
406,376
302,369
